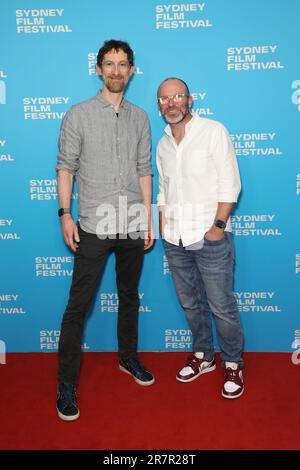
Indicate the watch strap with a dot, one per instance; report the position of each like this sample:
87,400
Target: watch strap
64,210
220,223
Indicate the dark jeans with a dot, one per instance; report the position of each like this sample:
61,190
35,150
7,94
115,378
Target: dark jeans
89,262
205,277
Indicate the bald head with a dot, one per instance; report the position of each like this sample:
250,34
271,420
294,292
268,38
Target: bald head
175,84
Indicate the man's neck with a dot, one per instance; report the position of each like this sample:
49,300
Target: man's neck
114,98
178,130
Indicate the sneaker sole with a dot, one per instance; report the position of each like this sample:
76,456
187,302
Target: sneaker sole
234,396
67,418
140,382
207,369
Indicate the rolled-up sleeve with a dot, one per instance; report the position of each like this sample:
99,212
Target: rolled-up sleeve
69,144
161,200
144,167
229,183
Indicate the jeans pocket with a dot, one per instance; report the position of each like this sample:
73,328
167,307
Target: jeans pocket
217,250
215,242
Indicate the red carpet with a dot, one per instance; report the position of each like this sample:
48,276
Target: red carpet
116,413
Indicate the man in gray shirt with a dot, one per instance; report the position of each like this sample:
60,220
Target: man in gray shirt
104,143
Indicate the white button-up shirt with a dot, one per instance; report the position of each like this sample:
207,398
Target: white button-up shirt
193,177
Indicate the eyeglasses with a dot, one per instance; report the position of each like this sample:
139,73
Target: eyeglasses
176,98
122,66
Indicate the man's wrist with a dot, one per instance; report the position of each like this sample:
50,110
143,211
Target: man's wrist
220,224
64,210
66,216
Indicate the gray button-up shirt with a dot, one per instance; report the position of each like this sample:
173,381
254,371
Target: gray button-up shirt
107,154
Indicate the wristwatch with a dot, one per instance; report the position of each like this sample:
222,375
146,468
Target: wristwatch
63,211
220,223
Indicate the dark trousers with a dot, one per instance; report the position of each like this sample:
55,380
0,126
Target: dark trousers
89,262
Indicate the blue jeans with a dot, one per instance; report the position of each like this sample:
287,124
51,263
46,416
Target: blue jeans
204,278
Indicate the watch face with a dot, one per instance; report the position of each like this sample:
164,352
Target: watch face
63,211
220,224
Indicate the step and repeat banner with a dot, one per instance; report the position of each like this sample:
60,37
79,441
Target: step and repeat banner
241,62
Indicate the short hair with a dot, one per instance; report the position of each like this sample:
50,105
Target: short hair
179,80
115,44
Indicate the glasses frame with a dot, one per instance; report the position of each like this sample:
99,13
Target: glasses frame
109,65
177,98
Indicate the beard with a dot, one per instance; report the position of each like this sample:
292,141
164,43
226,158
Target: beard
115,84
175,119
183,111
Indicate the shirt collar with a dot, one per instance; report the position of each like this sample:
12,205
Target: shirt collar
187,128
105,103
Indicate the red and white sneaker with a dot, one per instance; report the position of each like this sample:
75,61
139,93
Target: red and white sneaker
195,366
233,381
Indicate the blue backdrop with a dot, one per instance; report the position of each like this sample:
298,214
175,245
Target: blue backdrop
241,61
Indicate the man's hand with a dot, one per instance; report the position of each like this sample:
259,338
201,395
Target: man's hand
149,238
70,231
214,234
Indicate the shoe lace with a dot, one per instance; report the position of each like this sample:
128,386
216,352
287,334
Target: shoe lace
68,394
135,363
192,361
231,374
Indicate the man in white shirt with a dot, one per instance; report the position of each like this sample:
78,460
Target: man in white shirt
199,183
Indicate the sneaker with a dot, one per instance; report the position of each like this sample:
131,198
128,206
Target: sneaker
233,381
195,366
66,405
133,367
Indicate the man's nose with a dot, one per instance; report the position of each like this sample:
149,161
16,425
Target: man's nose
113,68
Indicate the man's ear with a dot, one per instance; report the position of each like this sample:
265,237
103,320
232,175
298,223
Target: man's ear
131,71
98,70
190,101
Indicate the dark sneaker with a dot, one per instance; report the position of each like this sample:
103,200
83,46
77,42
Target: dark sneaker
195,366
132,366
233,381
66,405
